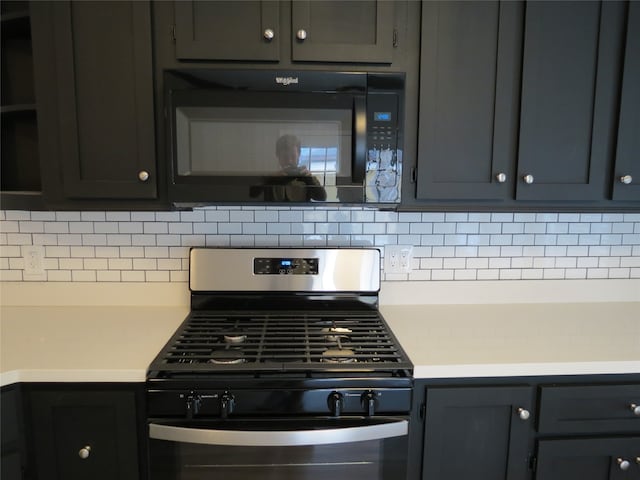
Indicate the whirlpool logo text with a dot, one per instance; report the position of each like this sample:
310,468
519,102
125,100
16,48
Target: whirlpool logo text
286,80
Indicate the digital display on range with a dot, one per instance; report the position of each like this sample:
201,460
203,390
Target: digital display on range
285,266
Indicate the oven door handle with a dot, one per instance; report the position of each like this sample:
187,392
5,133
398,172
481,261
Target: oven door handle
253,438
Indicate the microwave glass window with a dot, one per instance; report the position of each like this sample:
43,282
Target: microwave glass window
226,141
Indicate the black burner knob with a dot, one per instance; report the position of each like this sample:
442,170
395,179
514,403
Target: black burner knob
368,400
227,404
194,402
335,403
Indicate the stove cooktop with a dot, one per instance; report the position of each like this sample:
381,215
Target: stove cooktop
282,342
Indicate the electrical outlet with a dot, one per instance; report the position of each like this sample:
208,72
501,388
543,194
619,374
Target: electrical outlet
33,256
397,258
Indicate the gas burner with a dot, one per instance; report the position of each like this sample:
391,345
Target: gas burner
235,339
338,355
338,359
226,361
334,333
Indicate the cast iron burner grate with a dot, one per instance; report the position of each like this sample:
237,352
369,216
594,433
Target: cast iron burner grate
282,342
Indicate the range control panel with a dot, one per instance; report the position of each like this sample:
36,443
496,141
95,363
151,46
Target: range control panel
285,266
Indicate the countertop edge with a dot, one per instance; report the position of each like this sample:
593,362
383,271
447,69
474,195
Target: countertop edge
424,372
71,376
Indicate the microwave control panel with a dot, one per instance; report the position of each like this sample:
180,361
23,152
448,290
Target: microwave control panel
382,121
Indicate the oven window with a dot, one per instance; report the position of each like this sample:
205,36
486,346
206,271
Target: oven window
243,141
380,459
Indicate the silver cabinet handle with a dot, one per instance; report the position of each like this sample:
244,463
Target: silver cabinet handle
291,438
501,177
523,413
143,175
269,34
623,464
635,409
84,452
301,34
626,179
528,179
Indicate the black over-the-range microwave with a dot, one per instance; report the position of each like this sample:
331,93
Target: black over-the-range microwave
270,136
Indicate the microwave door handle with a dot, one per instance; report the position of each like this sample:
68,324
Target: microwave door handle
252,438
359,160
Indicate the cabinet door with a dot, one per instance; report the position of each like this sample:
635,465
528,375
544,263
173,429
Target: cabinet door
588,459
571,65
476,433
85,435
469,81
99,94
627,168
227,30
342,31
11,433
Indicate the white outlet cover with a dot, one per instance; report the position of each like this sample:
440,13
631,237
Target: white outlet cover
33,257
397,258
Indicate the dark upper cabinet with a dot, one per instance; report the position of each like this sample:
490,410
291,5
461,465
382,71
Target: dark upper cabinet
469,73
480,433
520,104
82,434
342,31
626,175
322,31
20,185
94,89
227,30
570,77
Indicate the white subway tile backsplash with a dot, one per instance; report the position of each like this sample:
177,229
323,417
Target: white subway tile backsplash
154,246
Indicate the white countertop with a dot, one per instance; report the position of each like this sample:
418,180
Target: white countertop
116,344
518,339
82,344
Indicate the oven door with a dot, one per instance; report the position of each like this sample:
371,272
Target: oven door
300,449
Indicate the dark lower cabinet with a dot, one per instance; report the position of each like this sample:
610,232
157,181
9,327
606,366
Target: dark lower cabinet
589,459
84,434
478,433
13,461
94,89
589,432
531,428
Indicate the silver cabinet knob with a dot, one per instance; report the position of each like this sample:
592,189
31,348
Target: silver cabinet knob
523,413
626,179
623,464
301,34
143,175
84,452
501,177
528,179
635,409
269,34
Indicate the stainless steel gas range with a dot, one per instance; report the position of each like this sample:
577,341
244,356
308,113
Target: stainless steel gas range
284,368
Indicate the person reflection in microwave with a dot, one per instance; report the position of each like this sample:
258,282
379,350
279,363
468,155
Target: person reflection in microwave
293,183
